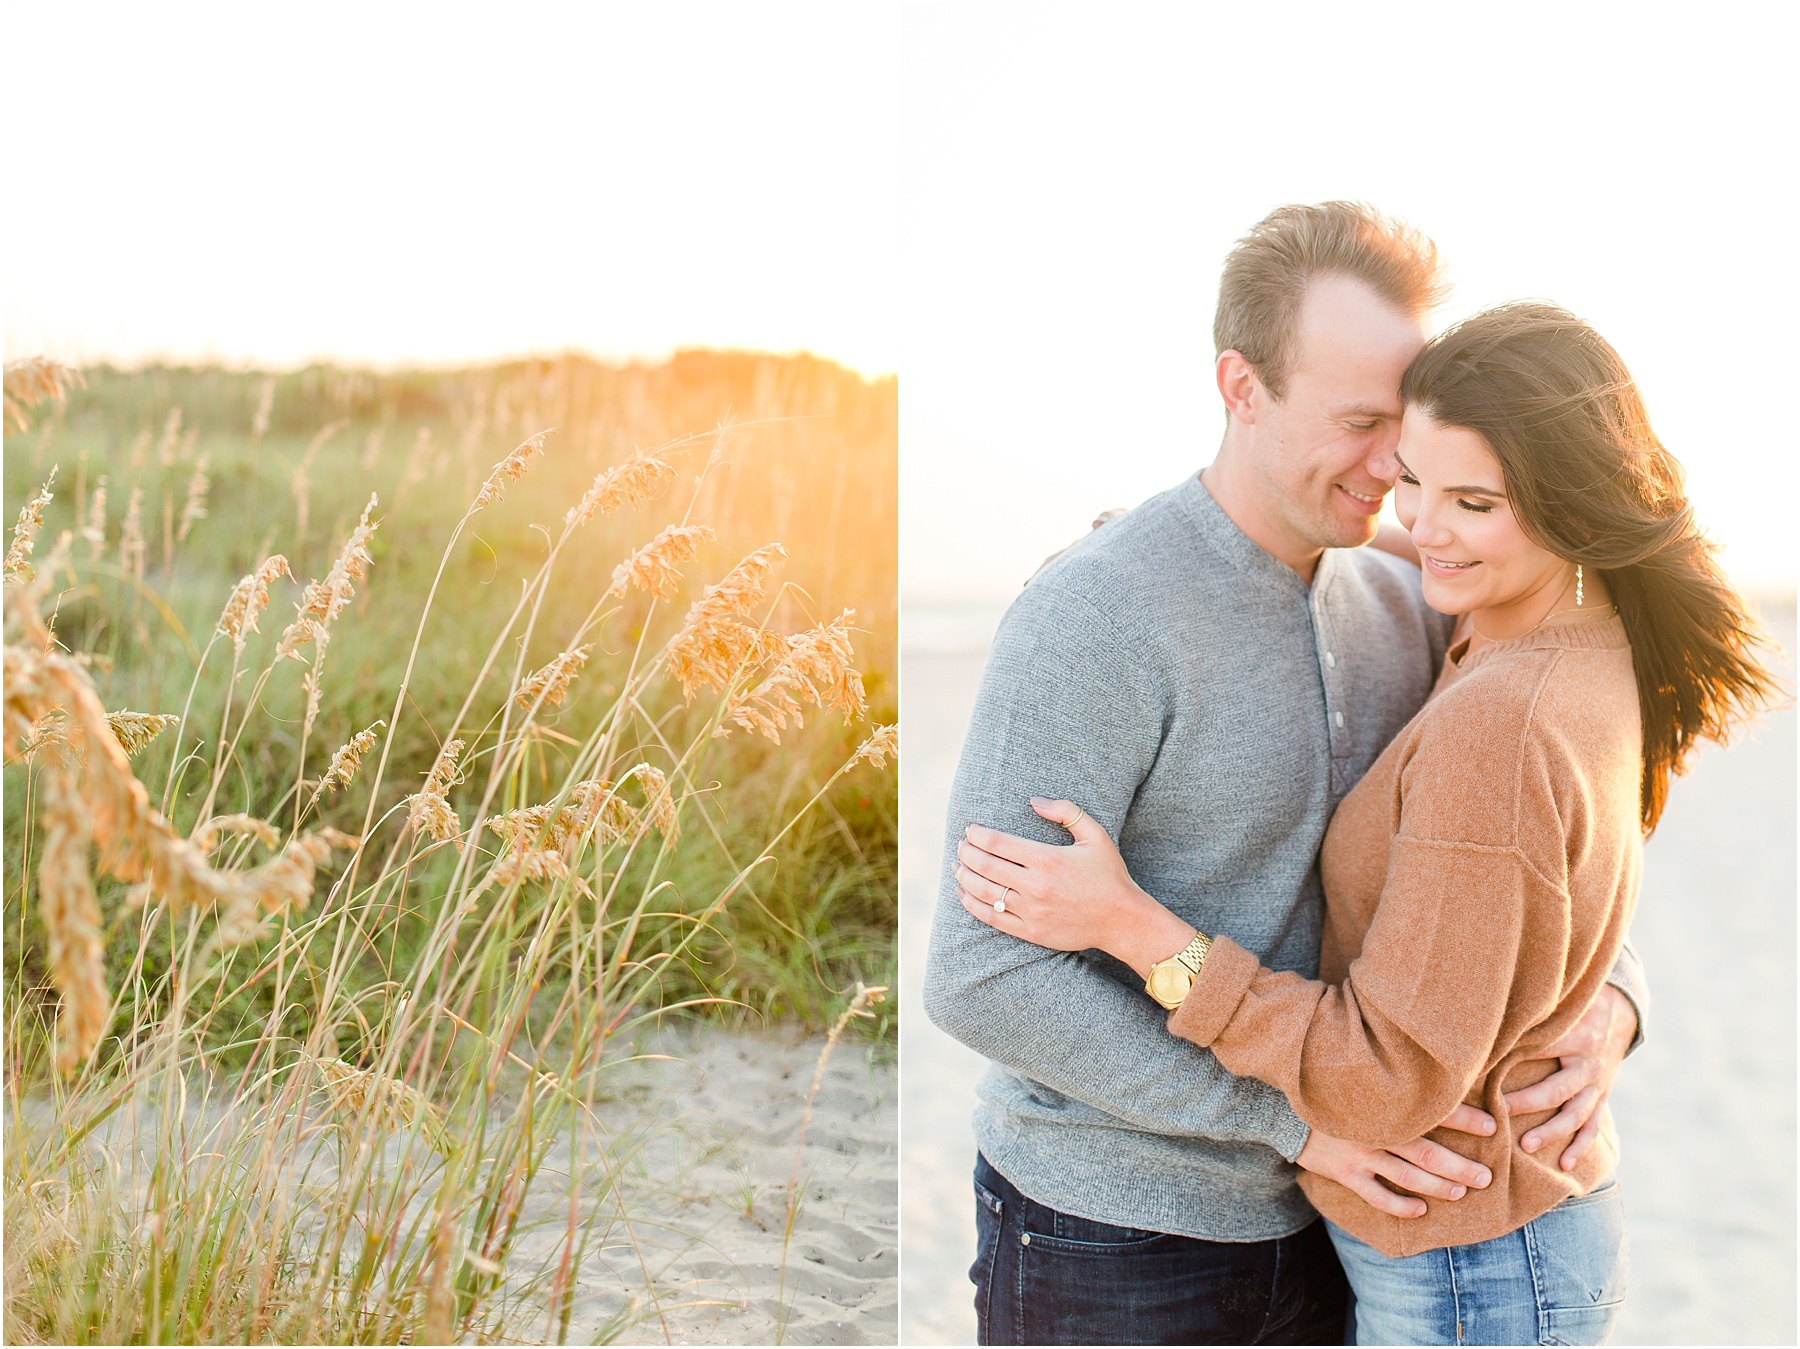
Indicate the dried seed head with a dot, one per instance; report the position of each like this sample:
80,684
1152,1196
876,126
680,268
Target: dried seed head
249,597
813,667
171,438
94,527
509,469
194,508
659,804
631,483
91,794
388,1104
715,642
322,601
552,682
31,520
131,535
348,759
51,728
281,885
879,747
652,568
35,380
209,833
594,809
531,864
429,811
134,730
71,916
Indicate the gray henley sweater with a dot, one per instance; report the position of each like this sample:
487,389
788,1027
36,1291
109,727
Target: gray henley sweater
1210,710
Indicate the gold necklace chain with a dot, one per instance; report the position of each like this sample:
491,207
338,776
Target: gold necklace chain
1596,610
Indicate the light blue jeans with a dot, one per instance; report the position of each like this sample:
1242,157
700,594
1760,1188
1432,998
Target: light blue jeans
1560,1279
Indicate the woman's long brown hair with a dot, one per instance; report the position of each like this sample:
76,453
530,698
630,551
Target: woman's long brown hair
1590,482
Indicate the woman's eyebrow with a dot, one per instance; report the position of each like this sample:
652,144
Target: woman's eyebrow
1462,491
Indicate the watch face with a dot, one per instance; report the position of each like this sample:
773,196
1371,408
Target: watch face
1169,984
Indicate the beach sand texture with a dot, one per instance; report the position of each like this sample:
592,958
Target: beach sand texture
701,1127
1706,1109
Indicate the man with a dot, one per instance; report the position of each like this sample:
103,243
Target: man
1208,676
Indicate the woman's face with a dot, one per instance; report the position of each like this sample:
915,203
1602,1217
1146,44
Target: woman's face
1476,557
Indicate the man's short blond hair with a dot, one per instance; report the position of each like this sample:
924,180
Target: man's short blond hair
1267,272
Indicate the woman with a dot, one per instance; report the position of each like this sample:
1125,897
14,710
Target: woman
1480,878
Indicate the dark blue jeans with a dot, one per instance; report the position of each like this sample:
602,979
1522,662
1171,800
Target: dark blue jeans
1044,1277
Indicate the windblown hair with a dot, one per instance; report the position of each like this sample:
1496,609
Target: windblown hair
1590,482
1267,272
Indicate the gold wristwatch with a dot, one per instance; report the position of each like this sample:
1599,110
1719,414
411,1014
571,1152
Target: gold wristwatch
1171,979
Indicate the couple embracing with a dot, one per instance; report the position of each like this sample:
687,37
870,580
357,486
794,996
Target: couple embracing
1288,878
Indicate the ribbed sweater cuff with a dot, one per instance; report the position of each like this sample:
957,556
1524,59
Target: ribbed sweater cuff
1220,986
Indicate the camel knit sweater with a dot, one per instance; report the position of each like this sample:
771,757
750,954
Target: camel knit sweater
1478,881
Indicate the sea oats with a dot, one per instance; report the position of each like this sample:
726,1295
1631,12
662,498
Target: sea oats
131,535
531,864
171,438
249,597
281,885
210,833
390,1104
659,803
24,539
814,667
631,483
71,916
348,759
652,568
594,808
93,528
715,642
509,469
51,728
552,682
879,747
90,793
322,601
194,506
34,380
429,811
135,730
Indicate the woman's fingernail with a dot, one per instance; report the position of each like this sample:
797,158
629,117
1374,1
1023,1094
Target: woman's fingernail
1529,1144
1457,1192
1483,1179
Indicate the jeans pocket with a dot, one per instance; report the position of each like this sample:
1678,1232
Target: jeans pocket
1581,1261
989,1209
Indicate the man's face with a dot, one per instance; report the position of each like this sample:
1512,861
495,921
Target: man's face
1325,451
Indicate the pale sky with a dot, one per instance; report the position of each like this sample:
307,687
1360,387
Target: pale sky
394,183
1075,174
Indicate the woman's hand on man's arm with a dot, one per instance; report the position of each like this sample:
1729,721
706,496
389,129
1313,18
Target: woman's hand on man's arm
1076,898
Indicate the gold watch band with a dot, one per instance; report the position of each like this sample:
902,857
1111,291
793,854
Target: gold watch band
1171,979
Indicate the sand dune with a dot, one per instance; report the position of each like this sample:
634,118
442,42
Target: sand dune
1706,1109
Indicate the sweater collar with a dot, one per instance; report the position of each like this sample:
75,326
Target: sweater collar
1577,635
1221,533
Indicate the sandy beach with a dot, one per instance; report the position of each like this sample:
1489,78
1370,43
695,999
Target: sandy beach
708,1190
702,1132
1706,1109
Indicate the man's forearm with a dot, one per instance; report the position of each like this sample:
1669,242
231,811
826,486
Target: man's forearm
1060,1020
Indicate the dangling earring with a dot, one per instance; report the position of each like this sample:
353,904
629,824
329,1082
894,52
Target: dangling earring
1577,585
